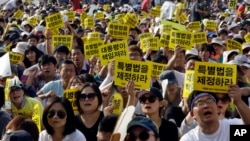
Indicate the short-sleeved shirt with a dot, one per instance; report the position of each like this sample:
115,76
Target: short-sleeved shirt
56,86
194,15
39,81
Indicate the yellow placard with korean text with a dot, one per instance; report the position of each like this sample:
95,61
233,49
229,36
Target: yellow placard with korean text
15,58
7,48
157,69
118,31
36,117
32,20
155,12
91,49
152,43
214,77
54,21
120,16
211,25
54,31
99,16
18,14
182,38
199,37
131,20
94,36
113,50
232,4
164,40
71,15
183,18
117,99
138,71
83,16
165,28
89,22
247,37
66,40
188,83
233,45
143,15
106,7
174,25
71,95
194,26
145,35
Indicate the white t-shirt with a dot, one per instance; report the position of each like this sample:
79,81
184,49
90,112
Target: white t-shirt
75,136
167,10
222,134
10,5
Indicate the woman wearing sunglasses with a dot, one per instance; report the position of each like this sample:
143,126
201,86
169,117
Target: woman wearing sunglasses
59,122
88,102
152,102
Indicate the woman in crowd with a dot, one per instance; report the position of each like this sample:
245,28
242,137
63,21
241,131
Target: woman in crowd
59,122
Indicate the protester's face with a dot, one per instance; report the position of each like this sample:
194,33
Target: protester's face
242,33
235,30
16,96
89,100
33,41
223,36
27,28
217,48
134,55
103,136
67,72
77,57
150,104
48,70
172,89
223,103
133,135
134,33
60,55
31,55
76,83
122,90
57,121
204,54
190,64
205,110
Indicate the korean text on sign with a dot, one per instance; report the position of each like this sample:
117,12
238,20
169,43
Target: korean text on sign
188,83
212,25
113,50
71,95
118,31
91,49
157,69
150,43
15,58
233,45
165,28
94,36
194,26
71,15
164,40
130,19
182,38
66,40
232,4
247,37
89,22
213,77
155,12
54,21
139,72
145,35
199,37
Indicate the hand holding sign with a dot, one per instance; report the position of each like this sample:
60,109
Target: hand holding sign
111,67
235,93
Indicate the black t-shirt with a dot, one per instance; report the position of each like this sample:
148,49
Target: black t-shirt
168,131
89,133
174,112
195,16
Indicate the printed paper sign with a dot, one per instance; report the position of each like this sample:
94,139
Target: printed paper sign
54,21
157,69
145,35
91,49
66,40
118,31
212,25
194,26
233,45
188,83
71,95
152,43
182,38
165,28
89,22
164,40
15,58
71,15
131,20
247,37
199,37
154,12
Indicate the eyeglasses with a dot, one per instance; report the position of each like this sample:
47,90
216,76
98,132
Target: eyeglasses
83,96
151,99
201,103
144,135
223,100
61,114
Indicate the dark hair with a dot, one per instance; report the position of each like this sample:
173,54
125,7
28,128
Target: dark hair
193,57
61,48
33,36
79,41
160,58
207,47
20,122
222,31
135,48
95,89
2,97
46,59
79,48
107,124
65,61
26,61
70,125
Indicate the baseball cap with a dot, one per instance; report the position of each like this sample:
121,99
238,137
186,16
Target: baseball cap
217,41
192,51
15,82
153,91
144,122
211,34
19,135
168,74
242,60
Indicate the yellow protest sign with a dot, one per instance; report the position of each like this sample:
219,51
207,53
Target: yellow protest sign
247,37
174,25
154,12
54,31
32,20
138,71
94,36
113,50
143,15
214,77
131,20
188,83
120,16
194,26
117,99
211,25
145,35
89,22
70,14
54,21
247,8
7,48
83,16
91,49
99,15
164,40
165,28
118,31
7,103
199,37
106,7
36,117
66,40
232,4
18,14
183,18
152,43
182,38
15,58
233,45
71,95
157,69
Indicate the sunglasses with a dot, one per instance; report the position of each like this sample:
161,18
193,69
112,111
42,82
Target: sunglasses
151,99
144,135
83,96
61,114
223,99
